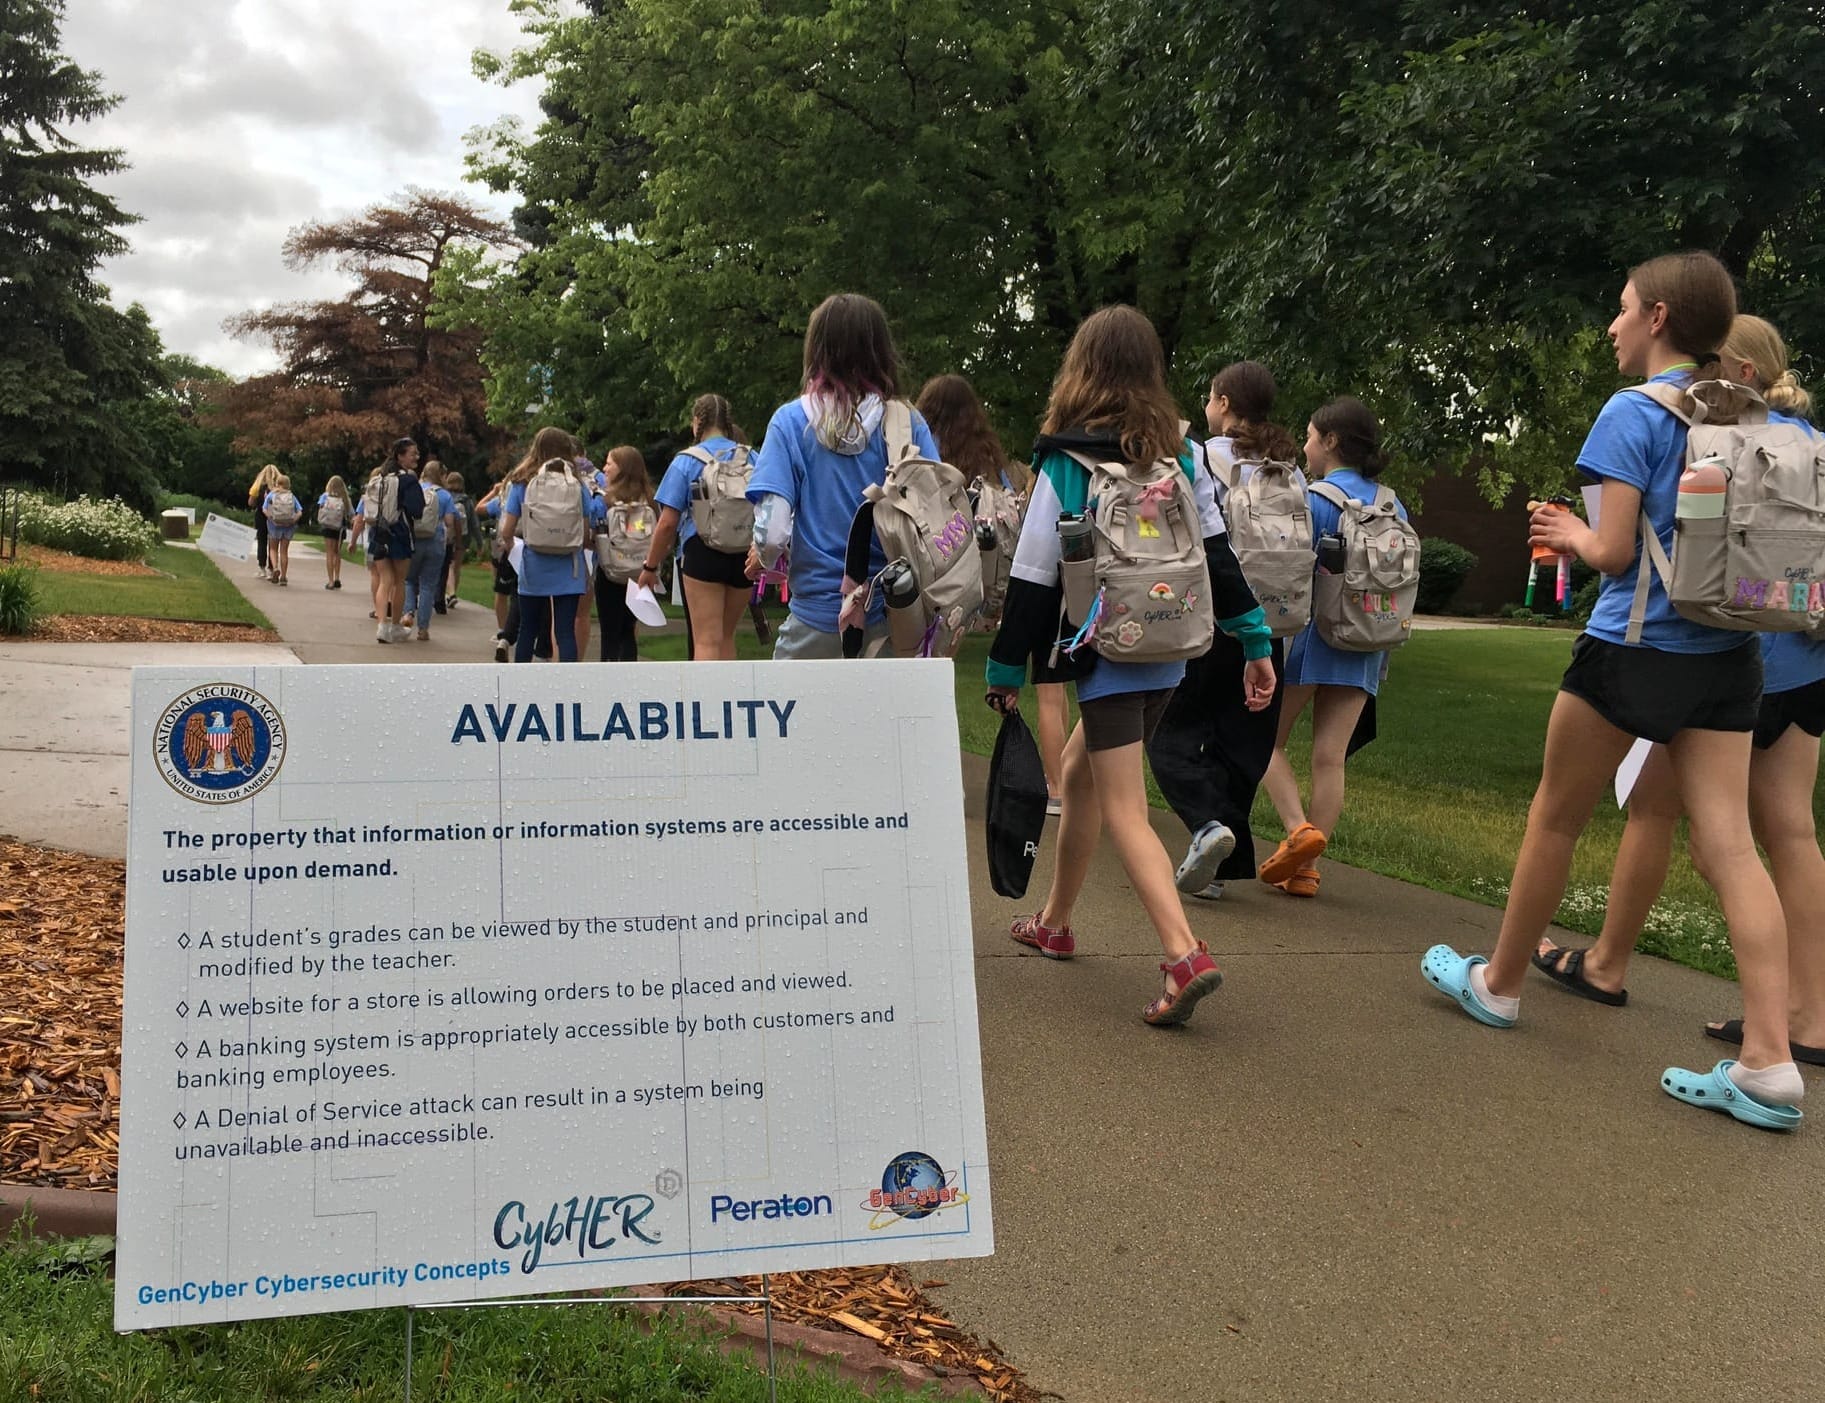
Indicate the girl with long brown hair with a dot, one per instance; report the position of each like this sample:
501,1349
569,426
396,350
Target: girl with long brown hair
822,452
1110,401
624,482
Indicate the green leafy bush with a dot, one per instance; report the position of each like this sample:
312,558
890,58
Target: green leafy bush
100,529
1443,568
20,606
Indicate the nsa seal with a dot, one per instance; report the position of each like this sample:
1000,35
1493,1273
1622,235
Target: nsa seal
220,744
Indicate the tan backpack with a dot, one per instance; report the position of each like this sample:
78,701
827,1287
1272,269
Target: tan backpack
922,516
623,541
720,509
1368,607
1270,529
552,521
1758,564
999,511
1143,597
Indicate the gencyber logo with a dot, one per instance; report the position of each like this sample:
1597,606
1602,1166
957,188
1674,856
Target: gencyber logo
219,744
913,1187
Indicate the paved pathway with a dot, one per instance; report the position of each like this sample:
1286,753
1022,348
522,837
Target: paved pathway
1331,1185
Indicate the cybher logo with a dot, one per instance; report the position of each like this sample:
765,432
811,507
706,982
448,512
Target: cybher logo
913,1186
219,744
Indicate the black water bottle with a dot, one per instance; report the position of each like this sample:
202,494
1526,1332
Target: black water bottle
1330,554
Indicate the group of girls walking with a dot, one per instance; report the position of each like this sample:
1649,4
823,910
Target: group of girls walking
1734,720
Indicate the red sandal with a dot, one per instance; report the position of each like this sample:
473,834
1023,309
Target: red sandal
1196,975
1053,944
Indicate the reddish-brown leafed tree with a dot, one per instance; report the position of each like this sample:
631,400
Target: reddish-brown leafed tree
359,372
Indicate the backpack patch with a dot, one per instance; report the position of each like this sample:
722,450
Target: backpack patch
623,541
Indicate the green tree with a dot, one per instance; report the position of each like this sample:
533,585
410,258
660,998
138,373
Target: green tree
1434,205
69,361
709,170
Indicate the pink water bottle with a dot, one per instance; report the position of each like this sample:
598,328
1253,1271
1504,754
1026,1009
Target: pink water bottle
1701,490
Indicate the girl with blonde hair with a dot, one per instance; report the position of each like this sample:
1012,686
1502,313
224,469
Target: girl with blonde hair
334,513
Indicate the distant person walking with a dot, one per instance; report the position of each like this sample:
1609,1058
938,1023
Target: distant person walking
699,483
627,500
335,512
431,527
256,499
550,511
391,502
280,510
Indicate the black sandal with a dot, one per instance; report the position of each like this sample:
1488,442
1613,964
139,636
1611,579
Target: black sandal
1565,967
1731,1031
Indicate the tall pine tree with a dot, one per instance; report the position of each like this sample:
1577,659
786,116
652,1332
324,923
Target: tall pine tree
70,363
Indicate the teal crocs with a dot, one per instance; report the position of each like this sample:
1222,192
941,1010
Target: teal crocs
1714,1091
1449,973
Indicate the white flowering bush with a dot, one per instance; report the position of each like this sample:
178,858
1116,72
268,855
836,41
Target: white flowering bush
103,530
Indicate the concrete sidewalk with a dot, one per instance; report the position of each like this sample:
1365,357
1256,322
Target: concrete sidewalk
1332,1184
332,626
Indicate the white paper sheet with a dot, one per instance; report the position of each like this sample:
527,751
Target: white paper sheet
644,607
1630,770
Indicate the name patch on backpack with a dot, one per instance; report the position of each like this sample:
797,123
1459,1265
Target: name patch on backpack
1800,596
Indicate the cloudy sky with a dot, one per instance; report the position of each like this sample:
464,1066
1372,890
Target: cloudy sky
245,118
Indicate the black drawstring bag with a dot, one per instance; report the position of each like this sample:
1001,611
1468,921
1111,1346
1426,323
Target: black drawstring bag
1016,807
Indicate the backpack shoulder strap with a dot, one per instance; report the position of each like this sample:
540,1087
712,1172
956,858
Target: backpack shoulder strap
896,431
1384,496
700,453
1336,496
1653,561
1223,466
1669,397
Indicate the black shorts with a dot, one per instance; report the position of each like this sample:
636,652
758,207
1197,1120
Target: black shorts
715,567
1127,718
506,578
1657,695
332,533
1803,707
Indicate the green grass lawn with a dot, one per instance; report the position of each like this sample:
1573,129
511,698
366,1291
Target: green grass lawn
58,1346
188,587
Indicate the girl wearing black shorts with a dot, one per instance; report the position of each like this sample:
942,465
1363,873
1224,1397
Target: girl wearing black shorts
1783,771
1697,690
716,585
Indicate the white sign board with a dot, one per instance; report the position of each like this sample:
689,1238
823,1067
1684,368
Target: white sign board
451,983
220,536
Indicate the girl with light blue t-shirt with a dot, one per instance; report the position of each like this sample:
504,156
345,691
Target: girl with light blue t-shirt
1783,771
550,586
716,584
1343,447
1696,689
822,452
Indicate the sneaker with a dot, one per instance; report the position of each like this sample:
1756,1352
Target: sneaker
1210,893
500,650
383,633
405,621
330,585
335,584
424,635
1053,944
450,602
1210,845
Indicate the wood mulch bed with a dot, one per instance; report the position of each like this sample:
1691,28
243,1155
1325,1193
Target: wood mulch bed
118,628
64,563
61,940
